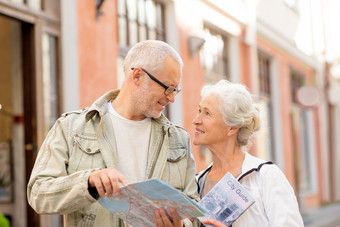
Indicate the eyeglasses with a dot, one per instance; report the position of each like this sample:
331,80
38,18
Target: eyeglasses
168,89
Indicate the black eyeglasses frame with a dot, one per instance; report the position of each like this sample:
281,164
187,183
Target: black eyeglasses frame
168,89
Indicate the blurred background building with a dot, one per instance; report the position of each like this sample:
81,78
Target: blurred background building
58,56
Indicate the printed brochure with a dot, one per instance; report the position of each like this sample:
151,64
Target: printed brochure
226,201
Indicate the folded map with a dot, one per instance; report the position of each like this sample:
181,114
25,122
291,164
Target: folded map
136,203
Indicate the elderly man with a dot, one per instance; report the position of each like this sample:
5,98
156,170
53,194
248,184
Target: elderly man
122,138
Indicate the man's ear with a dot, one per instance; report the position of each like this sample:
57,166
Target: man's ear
136,76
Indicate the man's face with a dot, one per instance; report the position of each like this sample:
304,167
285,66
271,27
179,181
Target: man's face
151,97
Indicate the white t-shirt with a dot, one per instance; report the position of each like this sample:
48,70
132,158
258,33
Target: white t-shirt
132,140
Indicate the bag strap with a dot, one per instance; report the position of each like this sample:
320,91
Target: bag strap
200,176
254,169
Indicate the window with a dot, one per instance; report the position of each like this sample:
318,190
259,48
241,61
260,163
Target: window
50,80
50,7
214,56
264,74
33,4
297,80
302,136
265,143
139,20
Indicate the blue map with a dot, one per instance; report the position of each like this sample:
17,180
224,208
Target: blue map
136,203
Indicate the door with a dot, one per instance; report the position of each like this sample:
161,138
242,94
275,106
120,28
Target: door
18,134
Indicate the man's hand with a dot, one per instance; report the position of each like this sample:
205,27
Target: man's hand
106,181
163,219
213,222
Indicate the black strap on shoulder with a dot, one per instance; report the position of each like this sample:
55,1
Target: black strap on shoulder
198,180
254,169
244,175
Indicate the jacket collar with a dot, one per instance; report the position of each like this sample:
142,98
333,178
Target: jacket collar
100,107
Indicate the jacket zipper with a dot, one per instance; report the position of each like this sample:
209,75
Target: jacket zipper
158,151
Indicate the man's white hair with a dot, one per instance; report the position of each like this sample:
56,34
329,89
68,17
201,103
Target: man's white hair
150,55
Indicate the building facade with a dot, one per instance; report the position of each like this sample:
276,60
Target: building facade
58,56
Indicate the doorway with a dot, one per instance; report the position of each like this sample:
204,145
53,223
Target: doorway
17,119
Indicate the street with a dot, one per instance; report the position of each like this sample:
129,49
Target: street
327,216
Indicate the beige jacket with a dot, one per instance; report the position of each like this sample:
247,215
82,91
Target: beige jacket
82,141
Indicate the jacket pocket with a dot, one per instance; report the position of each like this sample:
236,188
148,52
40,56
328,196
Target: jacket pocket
87,216
176,154
86,153
175,169
87,143
85,220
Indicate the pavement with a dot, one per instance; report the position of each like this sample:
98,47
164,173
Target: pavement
324,216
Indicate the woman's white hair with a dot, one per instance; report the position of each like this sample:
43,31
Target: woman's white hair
150,55
237,107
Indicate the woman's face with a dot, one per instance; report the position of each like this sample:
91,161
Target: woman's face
210,128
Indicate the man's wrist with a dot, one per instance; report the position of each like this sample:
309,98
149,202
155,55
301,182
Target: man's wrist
93,192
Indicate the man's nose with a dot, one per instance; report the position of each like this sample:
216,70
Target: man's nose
171,97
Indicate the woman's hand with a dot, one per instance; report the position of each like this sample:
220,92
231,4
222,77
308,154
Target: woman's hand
213,222
162,219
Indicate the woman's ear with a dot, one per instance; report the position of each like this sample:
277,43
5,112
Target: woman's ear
233,131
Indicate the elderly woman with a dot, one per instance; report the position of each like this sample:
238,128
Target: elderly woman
227,117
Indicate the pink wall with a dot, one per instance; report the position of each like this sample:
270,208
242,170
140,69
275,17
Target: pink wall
97,50
190,24
284,62
192,84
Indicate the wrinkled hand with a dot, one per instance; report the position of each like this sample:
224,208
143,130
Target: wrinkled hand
213,222
163,219
107,181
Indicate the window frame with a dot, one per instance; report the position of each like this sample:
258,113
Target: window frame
160,29
214,76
